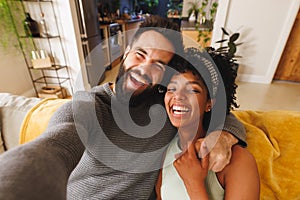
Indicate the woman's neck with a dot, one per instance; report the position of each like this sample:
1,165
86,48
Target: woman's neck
189,134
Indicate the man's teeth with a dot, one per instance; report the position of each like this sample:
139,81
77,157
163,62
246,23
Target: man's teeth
180,109
138,78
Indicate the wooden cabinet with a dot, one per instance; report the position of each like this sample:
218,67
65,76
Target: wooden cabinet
190,38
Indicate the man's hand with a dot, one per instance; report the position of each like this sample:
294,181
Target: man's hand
219,145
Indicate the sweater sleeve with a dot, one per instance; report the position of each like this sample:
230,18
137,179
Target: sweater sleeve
235,127
40,169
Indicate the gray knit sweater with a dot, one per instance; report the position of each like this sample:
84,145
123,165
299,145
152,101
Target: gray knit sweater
116,164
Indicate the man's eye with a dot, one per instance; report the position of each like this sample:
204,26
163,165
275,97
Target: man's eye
139,55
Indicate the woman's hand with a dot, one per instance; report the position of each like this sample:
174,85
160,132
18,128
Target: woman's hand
193,170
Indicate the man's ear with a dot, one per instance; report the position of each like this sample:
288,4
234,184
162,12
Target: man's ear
126,52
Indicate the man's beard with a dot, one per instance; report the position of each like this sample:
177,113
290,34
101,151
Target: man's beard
132,98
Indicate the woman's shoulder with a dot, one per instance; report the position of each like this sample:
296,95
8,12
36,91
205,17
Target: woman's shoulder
240,176
242,162
241,156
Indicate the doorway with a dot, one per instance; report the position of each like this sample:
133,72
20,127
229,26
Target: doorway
289,65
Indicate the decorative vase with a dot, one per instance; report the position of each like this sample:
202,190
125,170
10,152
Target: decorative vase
31,26
192,17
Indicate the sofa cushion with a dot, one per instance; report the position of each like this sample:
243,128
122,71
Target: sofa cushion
37,118
13,109
273,138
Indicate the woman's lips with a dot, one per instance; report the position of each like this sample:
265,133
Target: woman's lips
180,110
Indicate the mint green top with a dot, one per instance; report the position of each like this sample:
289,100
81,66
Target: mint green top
173,186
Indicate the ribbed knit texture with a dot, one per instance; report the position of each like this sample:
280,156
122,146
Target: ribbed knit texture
92,179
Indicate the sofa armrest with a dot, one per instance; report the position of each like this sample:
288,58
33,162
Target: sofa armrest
13,109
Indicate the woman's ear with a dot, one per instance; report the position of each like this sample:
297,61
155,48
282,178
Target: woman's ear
209,105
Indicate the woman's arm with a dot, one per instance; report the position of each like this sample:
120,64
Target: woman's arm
241,177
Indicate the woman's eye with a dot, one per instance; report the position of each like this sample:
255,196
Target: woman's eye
194,91
171,89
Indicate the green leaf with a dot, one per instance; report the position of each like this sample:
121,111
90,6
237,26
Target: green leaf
221,41
234,37
224,31
232,51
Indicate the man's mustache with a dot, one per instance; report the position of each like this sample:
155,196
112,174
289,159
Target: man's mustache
144,76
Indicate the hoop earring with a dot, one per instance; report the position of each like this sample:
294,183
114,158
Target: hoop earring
160,89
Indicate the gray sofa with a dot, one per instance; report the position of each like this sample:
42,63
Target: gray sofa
13,109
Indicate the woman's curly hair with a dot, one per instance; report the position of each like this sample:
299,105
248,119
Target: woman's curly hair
205,65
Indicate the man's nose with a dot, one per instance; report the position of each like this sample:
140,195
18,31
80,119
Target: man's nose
146,67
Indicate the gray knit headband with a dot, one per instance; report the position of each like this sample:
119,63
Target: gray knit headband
210,66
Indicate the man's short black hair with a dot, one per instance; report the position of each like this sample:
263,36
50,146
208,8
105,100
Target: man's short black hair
164,26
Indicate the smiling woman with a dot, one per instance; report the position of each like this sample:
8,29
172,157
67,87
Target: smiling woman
189,101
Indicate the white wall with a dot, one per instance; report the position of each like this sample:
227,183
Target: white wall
72,43
14,76
264,27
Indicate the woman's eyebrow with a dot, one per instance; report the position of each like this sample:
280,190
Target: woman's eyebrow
195,83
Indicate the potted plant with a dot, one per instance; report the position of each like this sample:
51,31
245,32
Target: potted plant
205,25
227,50
174,7
226,57
8,28
194,9
230,48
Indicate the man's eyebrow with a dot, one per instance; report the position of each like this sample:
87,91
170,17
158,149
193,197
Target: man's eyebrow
173,82
145,52
140,49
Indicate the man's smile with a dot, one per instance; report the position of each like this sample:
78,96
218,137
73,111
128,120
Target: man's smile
135,80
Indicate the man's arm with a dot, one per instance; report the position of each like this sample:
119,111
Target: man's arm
219,142
236,128
40,169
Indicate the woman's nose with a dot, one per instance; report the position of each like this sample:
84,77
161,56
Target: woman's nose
179,95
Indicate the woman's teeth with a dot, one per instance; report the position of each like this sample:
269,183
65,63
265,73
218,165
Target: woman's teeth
180,109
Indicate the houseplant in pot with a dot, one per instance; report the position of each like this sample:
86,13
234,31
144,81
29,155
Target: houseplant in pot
8,31
226,55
